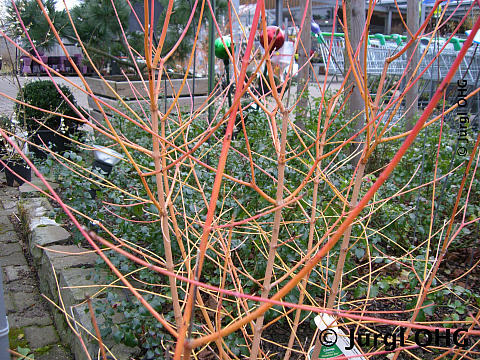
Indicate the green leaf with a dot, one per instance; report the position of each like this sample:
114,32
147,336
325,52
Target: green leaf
138,210
117,336
359,253
24,352
359,292
384,285
430,309
421,316
130,339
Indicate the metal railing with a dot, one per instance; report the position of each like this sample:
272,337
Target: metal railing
437,63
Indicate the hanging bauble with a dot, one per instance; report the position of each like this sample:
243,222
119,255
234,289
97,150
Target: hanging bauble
279,40
220,50
315,28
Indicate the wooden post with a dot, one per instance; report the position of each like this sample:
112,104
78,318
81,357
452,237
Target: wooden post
356,23
303,56
211,57
211,66
356,104
279,13
411,98
388,27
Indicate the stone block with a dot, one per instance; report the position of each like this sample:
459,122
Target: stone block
36,206
23,301
9,203
42,221
48,285
63,330
82,316
67,256
26,285
7,192
35,315
8,236
9,304
10,248
14,273
122,351
33,209
28,190
45,236
8,212
21,320
61,257
72,281
41,336
57,352
5,224
13,259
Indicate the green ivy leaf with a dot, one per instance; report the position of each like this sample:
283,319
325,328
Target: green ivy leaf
359,253
117,336
130,339
430,308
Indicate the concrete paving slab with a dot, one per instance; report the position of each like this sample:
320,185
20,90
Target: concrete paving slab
8,236
13,259
17,320
41,336
23,301
9,248
26,284
14,273
57,352
5,224
9,304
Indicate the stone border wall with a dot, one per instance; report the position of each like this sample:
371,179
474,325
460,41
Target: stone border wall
134,93
67,276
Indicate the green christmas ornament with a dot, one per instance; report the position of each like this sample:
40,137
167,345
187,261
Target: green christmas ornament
220,51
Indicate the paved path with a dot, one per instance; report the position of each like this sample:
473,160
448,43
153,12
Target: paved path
9,87
30,321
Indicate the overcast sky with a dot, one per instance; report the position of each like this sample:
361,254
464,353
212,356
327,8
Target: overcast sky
70,4
59,5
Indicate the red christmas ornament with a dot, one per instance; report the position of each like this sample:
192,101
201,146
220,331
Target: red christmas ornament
279,40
